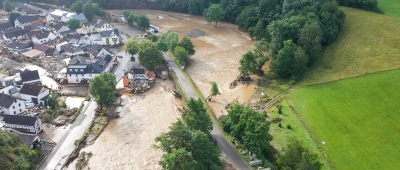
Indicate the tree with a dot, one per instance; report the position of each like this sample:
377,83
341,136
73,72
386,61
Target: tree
132,46
256,137
13,16
196,116
214,90
295,156
187,44
310,38
74,23
143,22
7,6
149,56
215,13
291,61
196,6
204,152
126,14
161,45
77,7
179,159
131,19
102,88
181,55
179,136
52,102
171,39
88,11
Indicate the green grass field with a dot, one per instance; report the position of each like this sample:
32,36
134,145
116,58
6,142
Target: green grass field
369,42
358,118
390,7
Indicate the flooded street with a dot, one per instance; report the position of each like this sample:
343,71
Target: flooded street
217,54
127,142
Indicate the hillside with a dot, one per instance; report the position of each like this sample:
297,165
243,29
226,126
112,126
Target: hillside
368,43
390,7
16,155
356,118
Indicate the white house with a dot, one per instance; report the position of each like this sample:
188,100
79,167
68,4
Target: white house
35,93
66,17
88,28
82,69
95,39
23,123
23,21
8,81
59,28
10,105
110,37
104,26
59,16
43,37
10,90
97,51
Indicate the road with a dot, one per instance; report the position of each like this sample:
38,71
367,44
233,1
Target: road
216,133
66,145
124,63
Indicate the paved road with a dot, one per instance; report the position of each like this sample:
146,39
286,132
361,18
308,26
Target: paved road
65,146
216,133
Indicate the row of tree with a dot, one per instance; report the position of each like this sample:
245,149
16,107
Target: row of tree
89,9
149,55
133,19
182,50
369,5
188,144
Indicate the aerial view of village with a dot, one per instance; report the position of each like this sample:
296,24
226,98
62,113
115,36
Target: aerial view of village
199,84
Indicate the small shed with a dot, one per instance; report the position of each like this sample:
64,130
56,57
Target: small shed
34,53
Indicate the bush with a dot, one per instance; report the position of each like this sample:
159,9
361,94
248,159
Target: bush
280,125
225,122
288,126
87,98
279,109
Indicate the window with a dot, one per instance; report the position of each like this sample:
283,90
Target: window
19,105
70,74
13,107
77,80
83,74
76,69
71,69
15,112
90,75
20,110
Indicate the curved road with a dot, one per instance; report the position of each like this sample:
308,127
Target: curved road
216,133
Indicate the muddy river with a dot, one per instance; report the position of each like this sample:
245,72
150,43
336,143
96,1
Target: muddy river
127,143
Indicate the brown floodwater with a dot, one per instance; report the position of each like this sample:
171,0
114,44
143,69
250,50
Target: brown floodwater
217,54
127,142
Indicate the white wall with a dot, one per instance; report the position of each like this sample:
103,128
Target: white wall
105,27
20,104
22,25
103,52
14,50
110,41
72,78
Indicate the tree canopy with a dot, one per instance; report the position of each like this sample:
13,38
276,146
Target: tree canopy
103,88
170,38
214,13
249,127
188,145
88,10
181,55
77,7
74,23
295,156
13,16
7,6
143,22
187,44
132,46
149,55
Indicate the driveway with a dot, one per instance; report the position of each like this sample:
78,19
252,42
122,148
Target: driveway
66,145
216,133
